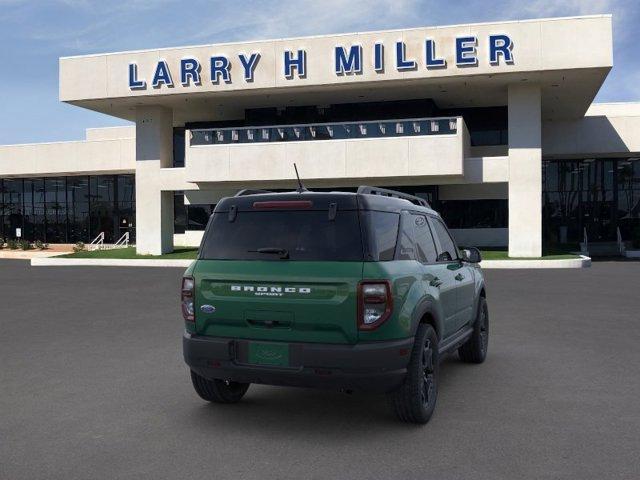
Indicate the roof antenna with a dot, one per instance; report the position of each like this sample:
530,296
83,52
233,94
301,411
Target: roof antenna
300,185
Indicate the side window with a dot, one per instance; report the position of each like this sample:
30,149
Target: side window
424,241
447,250
384,229
406,243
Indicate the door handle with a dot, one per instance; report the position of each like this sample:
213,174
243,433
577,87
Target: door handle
459,277
435,282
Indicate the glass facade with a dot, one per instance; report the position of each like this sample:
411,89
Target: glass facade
485,213
68,209
189,217
596,195
600,195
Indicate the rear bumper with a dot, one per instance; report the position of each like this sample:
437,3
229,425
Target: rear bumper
373,366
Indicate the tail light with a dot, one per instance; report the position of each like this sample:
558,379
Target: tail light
188,294
375,303
283,204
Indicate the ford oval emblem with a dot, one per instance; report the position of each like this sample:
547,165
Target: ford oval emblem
207,308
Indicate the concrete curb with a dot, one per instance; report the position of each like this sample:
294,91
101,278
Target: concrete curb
108,262
582,262
29,254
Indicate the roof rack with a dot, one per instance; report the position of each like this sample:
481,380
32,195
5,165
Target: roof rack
364,189
250,191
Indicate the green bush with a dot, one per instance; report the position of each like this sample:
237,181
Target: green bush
12,244
25,245
1,242
79,247
40,245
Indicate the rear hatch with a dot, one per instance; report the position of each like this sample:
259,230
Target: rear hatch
281,270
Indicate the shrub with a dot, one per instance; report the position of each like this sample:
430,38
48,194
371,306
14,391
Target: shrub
1,242
40,245
25,245
12,244
78,247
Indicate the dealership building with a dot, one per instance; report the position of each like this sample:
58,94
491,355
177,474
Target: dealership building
494,124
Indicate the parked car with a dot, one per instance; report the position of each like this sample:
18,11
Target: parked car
361,291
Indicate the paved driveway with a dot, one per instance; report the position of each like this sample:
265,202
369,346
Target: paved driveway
92,386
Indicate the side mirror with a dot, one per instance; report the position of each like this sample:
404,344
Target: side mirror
471,255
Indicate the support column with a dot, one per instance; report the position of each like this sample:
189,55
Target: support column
154,207
525,171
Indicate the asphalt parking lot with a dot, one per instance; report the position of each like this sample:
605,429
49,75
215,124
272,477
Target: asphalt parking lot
92,385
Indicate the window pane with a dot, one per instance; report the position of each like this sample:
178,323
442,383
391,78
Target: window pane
447,245
77,189
27,209
486,137
406,238
198,216
102,205
12,206
78,205
102,189
55,190
306,235
383,233
13,191
179,213
178,147
56,222
39,224
424,240
625,175
126,188
79,222
125,213
492,213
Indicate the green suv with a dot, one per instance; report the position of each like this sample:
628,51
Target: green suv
361,291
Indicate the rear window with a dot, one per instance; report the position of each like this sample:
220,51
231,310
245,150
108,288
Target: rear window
304,235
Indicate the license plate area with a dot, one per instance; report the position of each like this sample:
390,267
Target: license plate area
268,354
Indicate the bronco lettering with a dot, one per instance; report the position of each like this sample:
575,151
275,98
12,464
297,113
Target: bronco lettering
271,290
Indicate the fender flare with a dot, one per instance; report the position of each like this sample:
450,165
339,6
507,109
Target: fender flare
426,306
476,302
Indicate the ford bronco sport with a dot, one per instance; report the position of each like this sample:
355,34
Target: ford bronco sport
357,291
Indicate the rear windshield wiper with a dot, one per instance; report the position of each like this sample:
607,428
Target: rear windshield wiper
283,252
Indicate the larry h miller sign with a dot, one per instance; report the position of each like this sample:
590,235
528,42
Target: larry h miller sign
346,61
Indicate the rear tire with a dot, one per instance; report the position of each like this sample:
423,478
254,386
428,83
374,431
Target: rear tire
218,391
475,349
415,400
